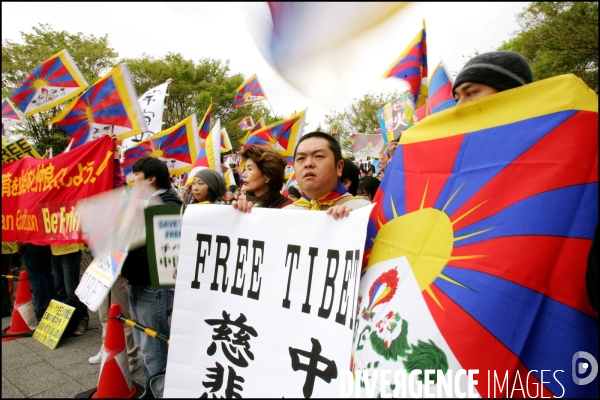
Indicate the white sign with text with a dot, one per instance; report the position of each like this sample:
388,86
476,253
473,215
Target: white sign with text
265,302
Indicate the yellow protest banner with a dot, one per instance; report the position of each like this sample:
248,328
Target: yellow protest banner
52,325
16,150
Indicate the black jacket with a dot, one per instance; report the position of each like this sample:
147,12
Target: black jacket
136,268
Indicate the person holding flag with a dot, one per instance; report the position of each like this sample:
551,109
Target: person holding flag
262,179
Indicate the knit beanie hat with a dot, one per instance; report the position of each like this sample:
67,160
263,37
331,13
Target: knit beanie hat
213,180
501,70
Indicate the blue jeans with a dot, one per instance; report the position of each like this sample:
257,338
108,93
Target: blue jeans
66,278
38,261
149,306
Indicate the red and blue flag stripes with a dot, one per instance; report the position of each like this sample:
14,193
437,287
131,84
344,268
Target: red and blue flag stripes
53,82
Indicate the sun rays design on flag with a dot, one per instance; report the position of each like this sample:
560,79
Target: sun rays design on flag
497,232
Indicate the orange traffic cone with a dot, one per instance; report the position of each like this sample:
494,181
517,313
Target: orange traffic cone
115,378
23,322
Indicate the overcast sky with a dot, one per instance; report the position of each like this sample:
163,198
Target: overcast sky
323,83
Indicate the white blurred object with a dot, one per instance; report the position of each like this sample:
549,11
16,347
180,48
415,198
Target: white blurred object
112,220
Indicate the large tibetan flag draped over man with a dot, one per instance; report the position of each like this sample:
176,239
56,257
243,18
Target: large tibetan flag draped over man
249,92
281,136
108,106
54,81
39,196
411,66
177,147
478,246
209,155
9,114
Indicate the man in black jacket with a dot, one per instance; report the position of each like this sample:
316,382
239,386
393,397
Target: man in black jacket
149,305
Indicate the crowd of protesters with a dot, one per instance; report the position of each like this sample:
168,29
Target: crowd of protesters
324,181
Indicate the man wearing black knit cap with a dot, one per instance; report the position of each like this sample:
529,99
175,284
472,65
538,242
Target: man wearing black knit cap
491,73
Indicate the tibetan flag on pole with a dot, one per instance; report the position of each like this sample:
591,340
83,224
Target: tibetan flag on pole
440,90
249,92
9,114
209,155
204,127
177,147
289,183
259,125
246,124
281,136
480,237
108,106
440,93
411,66
225,142
55,81
227,175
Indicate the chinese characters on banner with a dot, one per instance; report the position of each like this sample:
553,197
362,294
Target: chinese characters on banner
31,188
152,104
259,313
395,117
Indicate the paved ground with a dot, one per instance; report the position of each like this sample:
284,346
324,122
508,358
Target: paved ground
30,369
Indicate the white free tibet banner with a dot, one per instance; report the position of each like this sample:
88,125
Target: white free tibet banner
264,302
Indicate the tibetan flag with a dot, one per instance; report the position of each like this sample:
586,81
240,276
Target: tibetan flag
259,125
225,142
249,92
9,114
440,90
478,246
55,81
282,135
209,155
227,175
108,106
289,183
246,124
177,147
411,66
205,124
368,145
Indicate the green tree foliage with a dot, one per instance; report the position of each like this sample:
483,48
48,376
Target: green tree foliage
93,56
358,117
559,38
193,87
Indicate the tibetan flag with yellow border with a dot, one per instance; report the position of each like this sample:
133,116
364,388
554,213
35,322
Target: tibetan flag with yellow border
55,81
411,66
209,155
204,127
109,106
249,92
177,147
477,249
282,135
225,142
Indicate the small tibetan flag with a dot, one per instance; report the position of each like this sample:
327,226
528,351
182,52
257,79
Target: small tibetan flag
54,81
